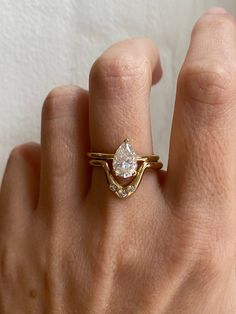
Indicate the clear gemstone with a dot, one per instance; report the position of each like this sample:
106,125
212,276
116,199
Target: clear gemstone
122,193
125,161
112,187
130,189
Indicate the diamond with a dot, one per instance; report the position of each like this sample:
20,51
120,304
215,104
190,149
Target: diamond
130,189
112,187
125,161
122,193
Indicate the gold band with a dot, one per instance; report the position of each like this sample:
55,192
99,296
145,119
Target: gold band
151,158
118,189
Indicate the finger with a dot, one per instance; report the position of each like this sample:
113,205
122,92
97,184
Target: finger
65,141
120,83
203,142
20,185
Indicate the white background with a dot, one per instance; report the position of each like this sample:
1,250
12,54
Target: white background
46,43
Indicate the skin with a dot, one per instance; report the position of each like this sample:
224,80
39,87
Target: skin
68,245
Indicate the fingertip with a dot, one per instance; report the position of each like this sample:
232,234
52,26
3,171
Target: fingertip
216,10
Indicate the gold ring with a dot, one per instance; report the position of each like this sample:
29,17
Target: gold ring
125,163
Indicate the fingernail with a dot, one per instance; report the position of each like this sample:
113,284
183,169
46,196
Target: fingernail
216,10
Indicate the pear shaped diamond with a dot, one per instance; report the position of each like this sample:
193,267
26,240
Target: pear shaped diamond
125,161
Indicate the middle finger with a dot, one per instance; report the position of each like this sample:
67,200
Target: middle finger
120,82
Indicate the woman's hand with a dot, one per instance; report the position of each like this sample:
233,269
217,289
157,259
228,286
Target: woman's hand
69,245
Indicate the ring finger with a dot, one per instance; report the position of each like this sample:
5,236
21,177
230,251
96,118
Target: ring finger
120,82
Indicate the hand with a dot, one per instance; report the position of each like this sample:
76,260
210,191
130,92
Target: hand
69,245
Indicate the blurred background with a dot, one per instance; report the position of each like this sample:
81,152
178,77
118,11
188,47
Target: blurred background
46,43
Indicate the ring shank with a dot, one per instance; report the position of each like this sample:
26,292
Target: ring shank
150,164
150,158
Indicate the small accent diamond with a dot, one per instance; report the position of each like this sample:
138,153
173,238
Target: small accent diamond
130,189
122,193
112,187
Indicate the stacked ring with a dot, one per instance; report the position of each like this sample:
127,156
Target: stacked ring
125,163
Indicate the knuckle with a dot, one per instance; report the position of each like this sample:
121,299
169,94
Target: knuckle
219,23
23,151
61,91
57,102
213,84
17,152
56,92
125,71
